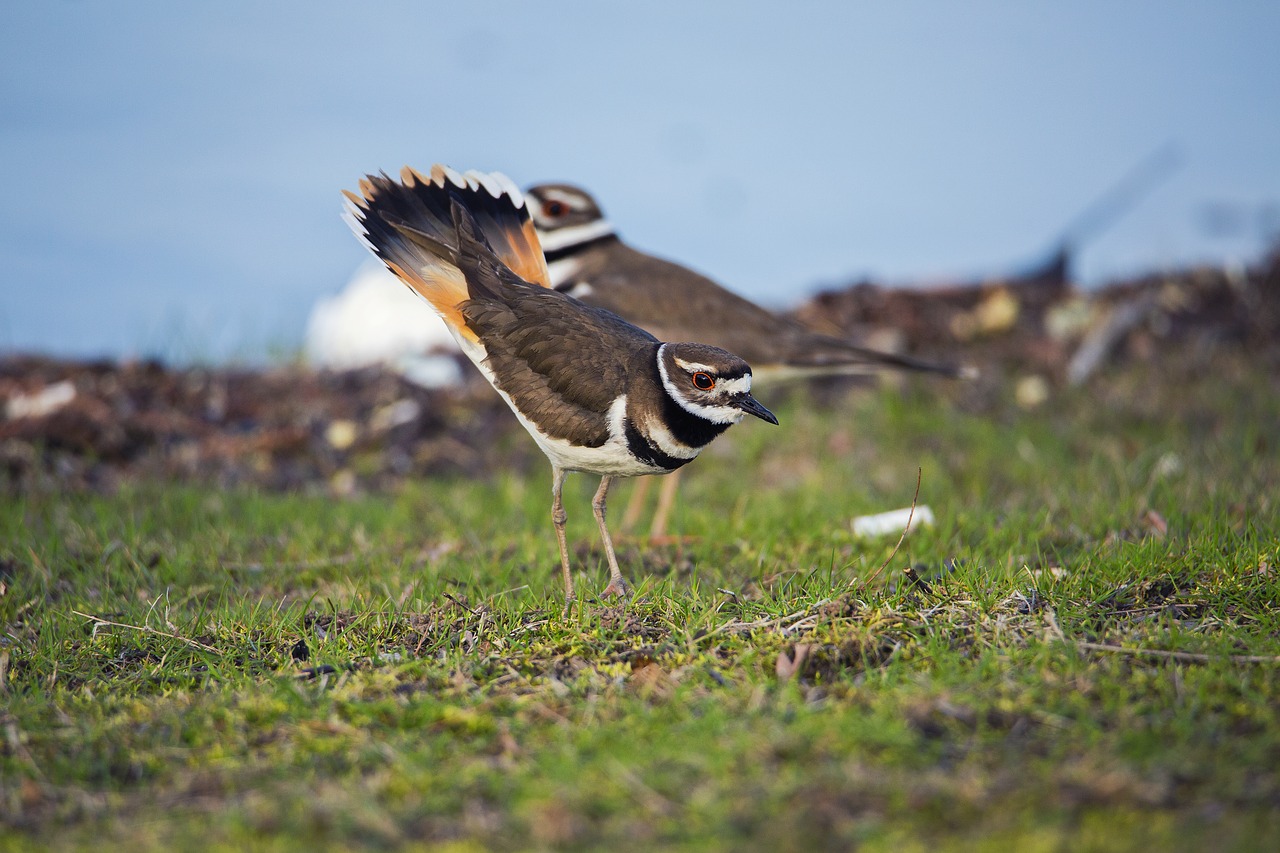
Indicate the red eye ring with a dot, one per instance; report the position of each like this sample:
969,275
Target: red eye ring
703,381
554,209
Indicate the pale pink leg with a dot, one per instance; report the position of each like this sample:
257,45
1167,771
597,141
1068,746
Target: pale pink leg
617,586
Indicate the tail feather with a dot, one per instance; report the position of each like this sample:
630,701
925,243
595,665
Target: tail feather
410,226
502,216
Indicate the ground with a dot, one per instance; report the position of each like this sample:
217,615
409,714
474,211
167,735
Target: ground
1083,651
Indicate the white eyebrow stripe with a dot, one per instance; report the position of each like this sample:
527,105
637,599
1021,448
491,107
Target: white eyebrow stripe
573,200
738,383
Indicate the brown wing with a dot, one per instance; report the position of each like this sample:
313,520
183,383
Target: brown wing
562,362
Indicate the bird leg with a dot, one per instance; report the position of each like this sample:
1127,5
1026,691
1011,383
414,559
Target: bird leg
635,505
666,500
558,518
617,586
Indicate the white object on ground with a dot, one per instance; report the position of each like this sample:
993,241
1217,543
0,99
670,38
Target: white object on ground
893,521
40,403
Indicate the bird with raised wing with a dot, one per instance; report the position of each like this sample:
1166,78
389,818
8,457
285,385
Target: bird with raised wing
597,394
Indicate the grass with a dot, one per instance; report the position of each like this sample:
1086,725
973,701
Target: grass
1087,654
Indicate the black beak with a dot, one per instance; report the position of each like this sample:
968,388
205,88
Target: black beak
752,406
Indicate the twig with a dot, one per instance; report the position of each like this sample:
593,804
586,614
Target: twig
1196,657
1103,337
910,515
459,604
806,622
146,629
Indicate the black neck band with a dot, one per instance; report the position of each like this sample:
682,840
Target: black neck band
572,249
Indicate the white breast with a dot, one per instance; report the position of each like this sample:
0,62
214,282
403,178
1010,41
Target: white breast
612,457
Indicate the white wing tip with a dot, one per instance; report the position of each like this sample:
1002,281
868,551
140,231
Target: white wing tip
497,185
509,187
456,178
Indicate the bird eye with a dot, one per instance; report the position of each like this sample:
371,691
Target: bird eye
703,381
554,209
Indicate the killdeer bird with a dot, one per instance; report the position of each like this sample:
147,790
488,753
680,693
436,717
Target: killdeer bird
586,259
597,394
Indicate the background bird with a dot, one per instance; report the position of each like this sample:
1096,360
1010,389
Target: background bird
586,259
597,394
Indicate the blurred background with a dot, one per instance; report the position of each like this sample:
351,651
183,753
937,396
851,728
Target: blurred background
172,171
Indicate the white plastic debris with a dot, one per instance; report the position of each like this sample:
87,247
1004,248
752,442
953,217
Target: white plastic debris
37,404
893,521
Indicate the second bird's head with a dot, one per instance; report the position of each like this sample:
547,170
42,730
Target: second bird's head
709,382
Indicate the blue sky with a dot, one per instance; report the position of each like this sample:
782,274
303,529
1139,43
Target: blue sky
172,170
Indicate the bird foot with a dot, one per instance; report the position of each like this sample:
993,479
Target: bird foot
616,587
